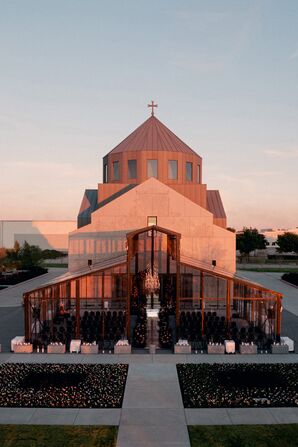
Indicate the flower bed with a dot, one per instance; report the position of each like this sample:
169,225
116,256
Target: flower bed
238,385
62,385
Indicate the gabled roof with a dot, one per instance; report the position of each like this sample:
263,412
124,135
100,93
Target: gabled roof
214,204
108,263
152,135
88,205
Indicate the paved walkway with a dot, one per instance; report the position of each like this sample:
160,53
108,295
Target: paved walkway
152,414
272,281
13,295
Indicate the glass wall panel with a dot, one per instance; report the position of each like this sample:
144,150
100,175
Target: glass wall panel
105,173
188,171
172,169
198,174
132,169
116,172
152,168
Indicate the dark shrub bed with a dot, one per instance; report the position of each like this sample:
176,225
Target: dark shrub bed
20,276
62,385
292,278
238,385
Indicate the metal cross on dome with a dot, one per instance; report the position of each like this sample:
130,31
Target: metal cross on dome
152,105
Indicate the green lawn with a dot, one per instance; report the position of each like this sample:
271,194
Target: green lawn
54,436
243,435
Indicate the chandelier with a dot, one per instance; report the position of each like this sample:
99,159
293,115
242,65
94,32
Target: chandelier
152,283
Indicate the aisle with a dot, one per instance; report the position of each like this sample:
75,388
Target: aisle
152,414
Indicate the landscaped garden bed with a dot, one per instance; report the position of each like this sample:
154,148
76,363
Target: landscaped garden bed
292,278
18,276
62,385
238,385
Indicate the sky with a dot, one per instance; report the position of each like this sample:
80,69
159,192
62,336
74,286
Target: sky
76,78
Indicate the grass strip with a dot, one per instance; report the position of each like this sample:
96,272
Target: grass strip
243,435
53,436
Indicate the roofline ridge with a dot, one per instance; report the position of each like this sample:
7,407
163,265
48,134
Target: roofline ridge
166,138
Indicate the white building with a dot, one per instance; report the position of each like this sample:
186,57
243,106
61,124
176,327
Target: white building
272,234
47,234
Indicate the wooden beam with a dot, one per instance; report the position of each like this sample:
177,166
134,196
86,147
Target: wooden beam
278,316
26,316
203,301
127,316
228,303
178,281
78,307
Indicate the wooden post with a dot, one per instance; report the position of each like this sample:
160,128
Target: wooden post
253,311
52,302
203,302
178,281
103,304
27,316
168,254
228,304
43,306
278,316
129,248
78,321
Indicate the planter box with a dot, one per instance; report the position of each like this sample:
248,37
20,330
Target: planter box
56,349
280,349
15,340
182,349
213,349
230,346
288,341
122,349
75,346
249,349
89,349
20,349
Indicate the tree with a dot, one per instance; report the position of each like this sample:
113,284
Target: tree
287,242
52,254
249,240
231,229
16,247
30,256
11,260
2,258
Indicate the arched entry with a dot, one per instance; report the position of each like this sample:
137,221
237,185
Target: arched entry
153,278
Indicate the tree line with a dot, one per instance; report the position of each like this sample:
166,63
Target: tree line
25,257
250,240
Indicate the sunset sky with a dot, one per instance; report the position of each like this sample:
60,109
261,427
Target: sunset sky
76,77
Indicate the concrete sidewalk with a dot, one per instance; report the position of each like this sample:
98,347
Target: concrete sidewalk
13,295
272,280
152,412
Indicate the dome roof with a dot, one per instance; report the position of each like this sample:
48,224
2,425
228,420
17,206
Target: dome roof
152,135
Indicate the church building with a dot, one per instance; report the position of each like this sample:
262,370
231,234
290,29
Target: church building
151,244
152,178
